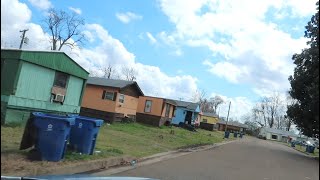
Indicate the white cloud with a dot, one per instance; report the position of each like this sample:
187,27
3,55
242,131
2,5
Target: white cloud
251,49
16,16
76,10
227,70
127,17
41,4
152,39
108,50
239,106
178,52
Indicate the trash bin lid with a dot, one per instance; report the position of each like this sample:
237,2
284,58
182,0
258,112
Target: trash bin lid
97,122
70,120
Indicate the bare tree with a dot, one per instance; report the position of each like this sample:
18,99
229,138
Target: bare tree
129,73
64,28
215,102
270,110
107,71
273,108
199,96
256,116
93,73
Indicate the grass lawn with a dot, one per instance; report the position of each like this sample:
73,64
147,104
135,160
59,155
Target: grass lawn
303,149
134,139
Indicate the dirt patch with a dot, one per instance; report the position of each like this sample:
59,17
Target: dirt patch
18,164
15,164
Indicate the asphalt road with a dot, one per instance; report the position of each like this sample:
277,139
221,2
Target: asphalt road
246,159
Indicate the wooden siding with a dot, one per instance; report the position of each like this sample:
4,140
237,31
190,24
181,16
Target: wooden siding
207,126
10,70
92,98
163,114
56,60
148,119
129,107
131,90
210,120
106,116
156,107
35,82
74,90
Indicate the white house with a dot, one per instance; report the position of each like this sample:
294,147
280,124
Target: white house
277,134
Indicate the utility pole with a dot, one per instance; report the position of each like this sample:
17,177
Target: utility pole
23,36
227,117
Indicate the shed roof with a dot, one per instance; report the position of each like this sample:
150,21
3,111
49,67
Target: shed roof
56,60
279,131
209,114
233,123
117,83
188,105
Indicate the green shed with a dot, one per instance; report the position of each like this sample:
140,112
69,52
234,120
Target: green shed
46,81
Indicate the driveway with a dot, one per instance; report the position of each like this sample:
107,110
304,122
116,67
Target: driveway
246,159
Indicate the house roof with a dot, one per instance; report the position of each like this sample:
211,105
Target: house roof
117,83
56,60
233,123
188,105
209,114
170,101
279,131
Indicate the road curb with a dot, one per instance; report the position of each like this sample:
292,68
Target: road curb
306,154
116,164
160,157
81,167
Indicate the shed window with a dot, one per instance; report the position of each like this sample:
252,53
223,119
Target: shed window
167,110
148,105
61,79
108,95
121,98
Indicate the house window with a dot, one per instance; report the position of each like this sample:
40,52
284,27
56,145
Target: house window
204,120
121,98
147,107
167,110
108,95
274,137
60,79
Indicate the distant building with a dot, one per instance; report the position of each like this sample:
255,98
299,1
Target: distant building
155,111
232,126
185,112
46,81
209,121
279,135
110,99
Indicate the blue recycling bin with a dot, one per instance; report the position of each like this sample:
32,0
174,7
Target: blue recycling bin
84,133
235,134
240,135
293,144
52,135
226,134
310,149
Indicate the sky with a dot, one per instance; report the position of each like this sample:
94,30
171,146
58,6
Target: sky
239,50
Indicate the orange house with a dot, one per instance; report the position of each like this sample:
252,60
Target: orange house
110,99
155,111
